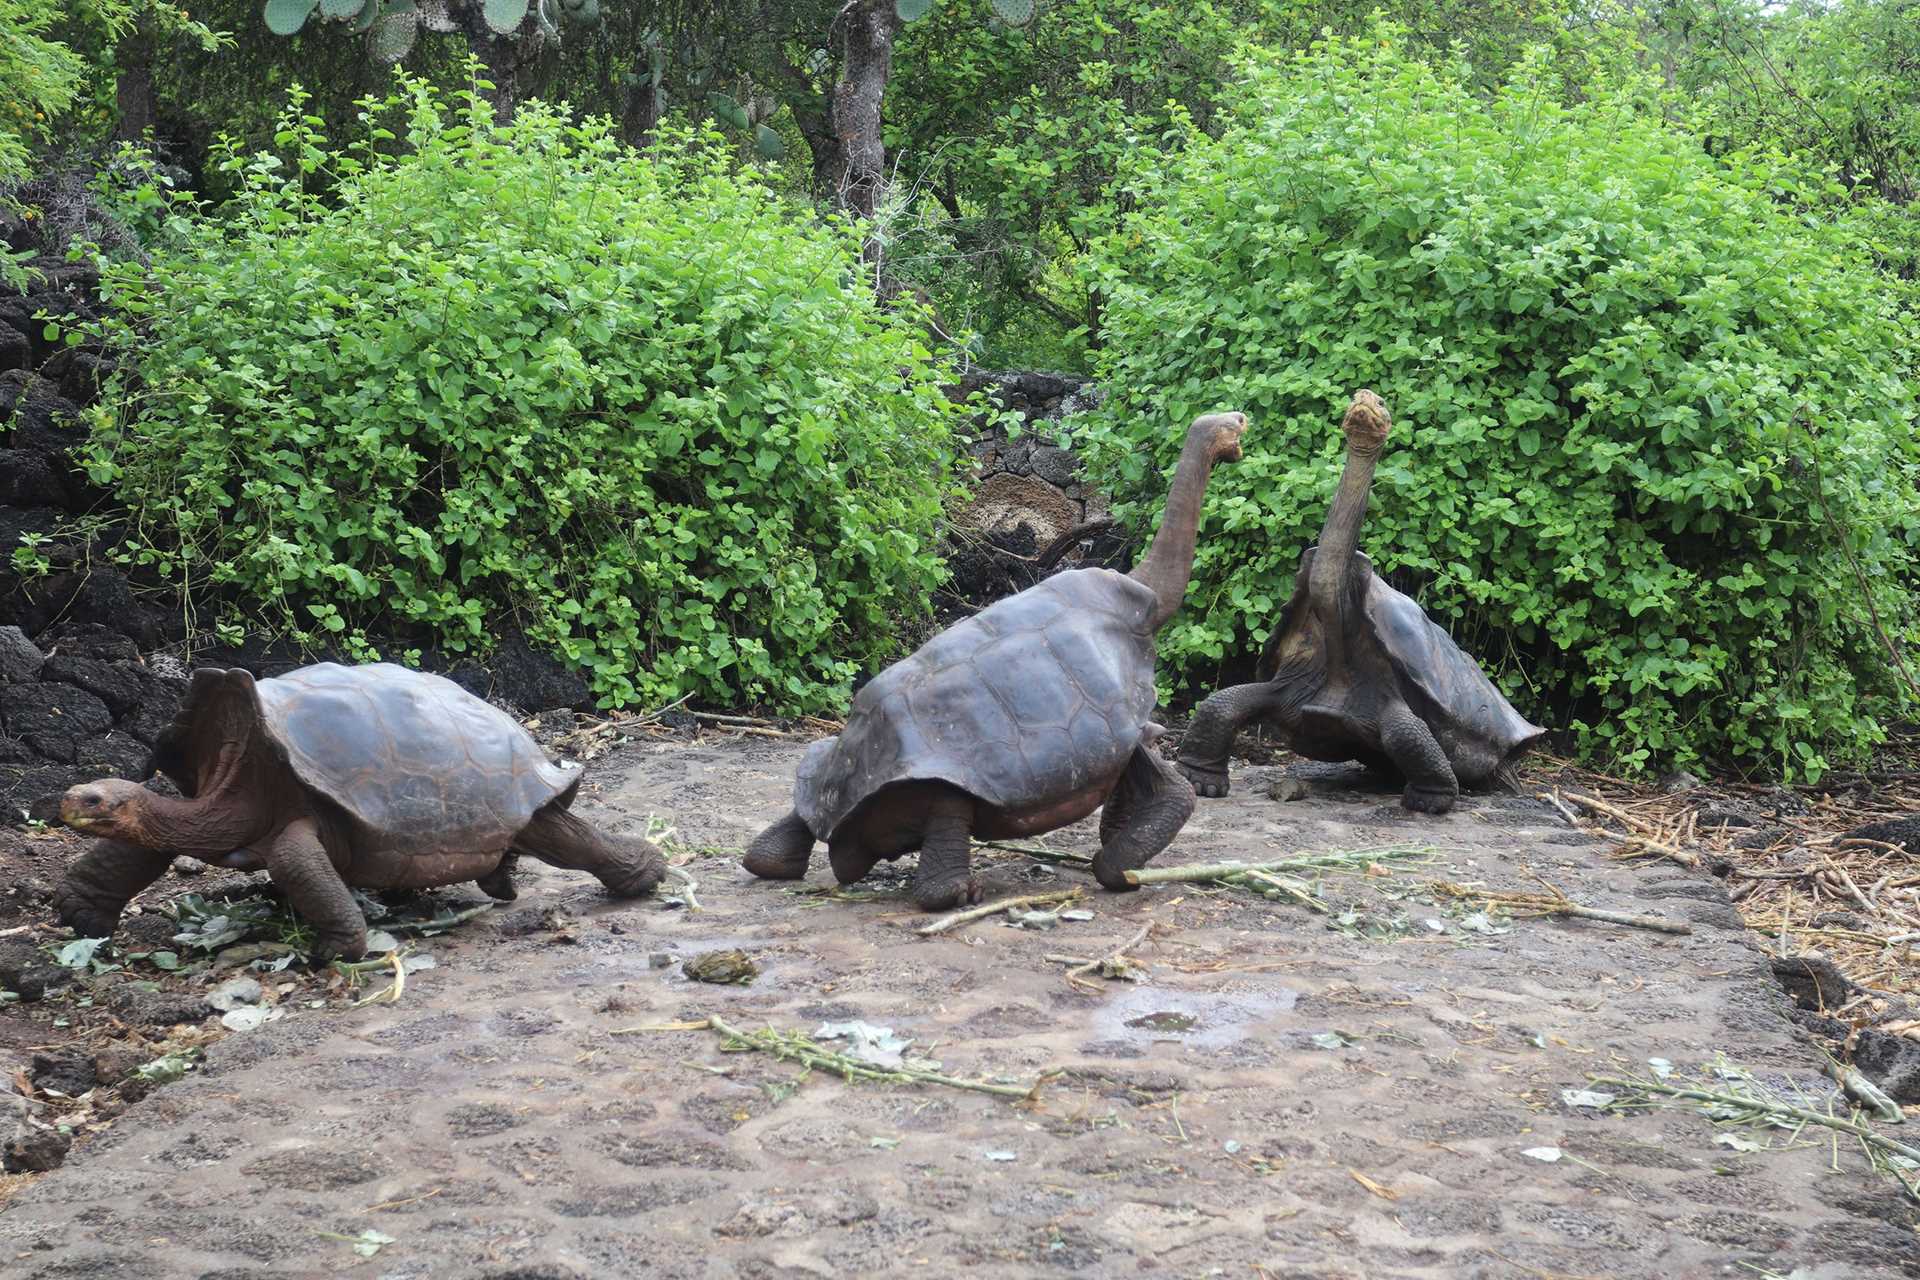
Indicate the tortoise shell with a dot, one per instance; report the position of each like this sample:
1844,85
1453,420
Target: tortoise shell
418,765
1476,726
1034,698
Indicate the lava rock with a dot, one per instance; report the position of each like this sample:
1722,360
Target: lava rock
118,684
90,640
20,658
111,1066
34,1150
14,751
159,704
80,372
116,755
52,718
15,351
1054,465
101,595
35,790
532,680
26,971
1892,1062
44,421
29,480
157,1008
1901,831
1814,982
67,1071
1289,789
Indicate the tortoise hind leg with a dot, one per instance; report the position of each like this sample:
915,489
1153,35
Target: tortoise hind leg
1153,802
630,867
944,878
102,881
781,852
1216,722
498,883
299,865
1416,753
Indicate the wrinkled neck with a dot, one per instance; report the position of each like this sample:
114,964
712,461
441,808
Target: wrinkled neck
1340,535
1168,564
205,828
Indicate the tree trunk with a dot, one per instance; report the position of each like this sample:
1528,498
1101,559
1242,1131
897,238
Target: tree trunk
502,58
642,114
869,27
133,86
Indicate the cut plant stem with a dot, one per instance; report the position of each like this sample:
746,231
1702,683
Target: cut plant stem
791,1046
1348,860
971,914
687,886
1045,855
1746,1102
1555,903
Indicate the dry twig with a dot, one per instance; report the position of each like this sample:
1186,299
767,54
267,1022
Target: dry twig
1114,964
971,914
1555,903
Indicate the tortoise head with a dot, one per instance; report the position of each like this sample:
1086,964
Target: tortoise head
1220,434
112,807
1366,423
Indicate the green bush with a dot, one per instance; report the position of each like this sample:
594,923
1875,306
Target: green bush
1629,385
638,402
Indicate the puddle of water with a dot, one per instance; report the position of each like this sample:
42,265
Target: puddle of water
1164,1020
1203,1020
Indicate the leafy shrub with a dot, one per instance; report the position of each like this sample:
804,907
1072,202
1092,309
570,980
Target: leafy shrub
1629,386
638,401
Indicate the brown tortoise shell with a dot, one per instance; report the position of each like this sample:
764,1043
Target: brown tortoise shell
418,765
1028,701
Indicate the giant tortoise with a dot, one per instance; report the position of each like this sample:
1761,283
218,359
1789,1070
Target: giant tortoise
1021,719
330,776
1356,671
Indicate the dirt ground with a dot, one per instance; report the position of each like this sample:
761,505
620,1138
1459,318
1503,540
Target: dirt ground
1206,1121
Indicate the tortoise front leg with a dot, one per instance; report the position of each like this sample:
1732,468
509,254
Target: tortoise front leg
102,881
1154,803
299,864
781,852
1410,744
1216,722
944,878
630,866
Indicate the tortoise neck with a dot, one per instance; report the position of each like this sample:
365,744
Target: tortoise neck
1340,535
1168,564
205,828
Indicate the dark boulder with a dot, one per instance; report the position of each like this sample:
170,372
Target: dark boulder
15,351
116,755
30,480
535,681
20,658
52,718
159,703
33,790
1892,1062
118,684
88,640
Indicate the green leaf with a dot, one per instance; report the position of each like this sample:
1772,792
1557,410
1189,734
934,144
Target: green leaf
286,17
727,109
505,16
79,953
912,10
768,143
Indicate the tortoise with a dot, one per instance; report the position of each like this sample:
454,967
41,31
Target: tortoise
1357,671
330,776
1025,717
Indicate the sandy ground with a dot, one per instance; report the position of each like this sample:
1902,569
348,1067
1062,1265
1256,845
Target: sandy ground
493,1124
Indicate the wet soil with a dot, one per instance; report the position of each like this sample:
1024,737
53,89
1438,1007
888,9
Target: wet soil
513,1116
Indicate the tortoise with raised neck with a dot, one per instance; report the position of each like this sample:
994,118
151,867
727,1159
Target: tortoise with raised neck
1023,718
373,776
1355,670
